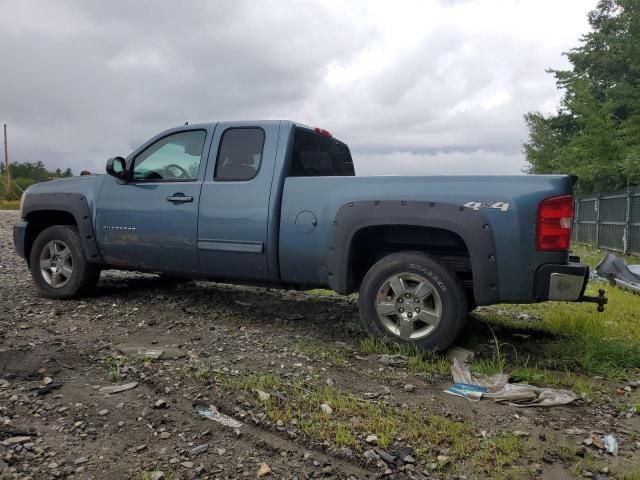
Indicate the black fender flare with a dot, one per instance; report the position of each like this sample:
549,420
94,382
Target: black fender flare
73,203
470,225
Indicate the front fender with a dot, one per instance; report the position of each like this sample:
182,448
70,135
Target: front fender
73,203
470,225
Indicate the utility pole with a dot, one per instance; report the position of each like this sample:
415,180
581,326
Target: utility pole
6,161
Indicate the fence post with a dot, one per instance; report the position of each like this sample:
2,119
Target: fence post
627,227
598,220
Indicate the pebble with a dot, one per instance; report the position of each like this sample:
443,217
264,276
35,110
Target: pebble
409,387
104,412
187,464
372,439
199,449
80,460
165,435
326,409
263,396
264,470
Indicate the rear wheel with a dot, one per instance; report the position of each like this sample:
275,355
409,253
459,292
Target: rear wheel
58,264
411,299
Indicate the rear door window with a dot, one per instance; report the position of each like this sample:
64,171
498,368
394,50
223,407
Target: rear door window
317,155
240,154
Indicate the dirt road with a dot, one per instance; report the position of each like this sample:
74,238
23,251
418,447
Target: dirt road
246,351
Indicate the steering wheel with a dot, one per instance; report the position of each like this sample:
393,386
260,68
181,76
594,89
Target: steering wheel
182,172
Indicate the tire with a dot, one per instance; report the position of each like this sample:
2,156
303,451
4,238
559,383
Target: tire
68,274
438,305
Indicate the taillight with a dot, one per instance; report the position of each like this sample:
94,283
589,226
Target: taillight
553,229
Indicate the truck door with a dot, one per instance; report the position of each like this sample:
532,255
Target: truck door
234,201
150,221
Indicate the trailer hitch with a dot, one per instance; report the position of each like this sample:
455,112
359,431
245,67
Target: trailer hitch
601,300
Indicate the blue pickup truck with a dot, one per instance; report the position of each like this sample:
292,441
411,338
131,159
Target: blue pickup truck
277,203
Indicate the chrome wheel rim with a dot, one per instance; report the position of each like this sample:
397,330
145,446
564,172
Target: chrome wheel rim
409,306
56,264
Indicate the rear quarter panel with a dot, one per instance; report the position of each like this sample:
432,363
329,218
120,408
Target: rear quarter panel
303,256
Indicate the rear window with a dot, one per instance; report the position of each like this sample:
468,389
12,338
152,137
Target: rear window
316,155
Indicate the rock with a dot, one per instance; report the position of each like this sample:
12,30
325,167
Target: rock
372,439
393,360
199,449
161,403
103,412
165,435
409,459
442,458
408,387
157,475
4,383
262,396
521,434
263,470
574,431
597,441
346,452
155,353
330,382
371,455
80,460
117,388
385,456
47,380
15,440
187,464
139,448
326,409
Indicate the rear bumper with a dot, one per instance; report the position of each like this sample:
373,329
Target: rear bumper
561,282
19,238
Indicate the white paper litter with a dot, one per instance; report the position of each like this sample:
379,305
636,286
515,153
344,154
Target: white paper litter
515,394
214,414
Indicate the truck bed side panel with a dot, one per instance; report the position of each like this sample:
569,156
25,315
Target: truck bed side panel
304,253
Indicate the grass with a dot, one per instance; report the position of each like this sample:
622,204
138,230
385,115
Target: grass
353,419
9,204
334,355
577,337
113,364
418,360
499,456
589,462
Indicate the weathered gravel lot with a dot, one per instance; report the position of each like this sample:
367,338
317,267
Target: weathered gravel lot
75,432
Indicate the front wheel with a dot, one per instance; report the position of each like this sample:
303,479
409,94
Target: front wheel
411,299
58,265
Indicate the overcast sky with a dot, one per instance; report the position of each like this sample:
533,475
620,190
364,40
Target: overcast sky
414,87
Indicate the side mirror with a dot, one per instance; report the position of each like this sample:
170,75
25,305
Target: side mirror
117,167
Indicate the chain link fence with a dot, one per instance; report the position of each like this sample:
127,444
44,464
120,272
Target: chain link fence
609,220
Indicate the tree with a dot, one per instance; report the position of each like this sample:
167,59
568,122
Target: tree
25,174
596,132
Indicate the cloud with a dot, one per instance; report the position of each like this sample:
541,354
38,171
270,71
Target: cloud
434,86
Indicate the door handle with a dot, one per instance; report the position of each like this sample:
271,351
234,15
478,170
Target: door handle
180,197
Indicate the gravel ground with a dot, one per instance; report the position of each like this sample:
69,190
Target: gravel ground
56,355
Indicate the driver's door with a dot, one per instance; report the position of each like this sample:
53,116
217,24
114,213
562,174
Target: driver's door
150,222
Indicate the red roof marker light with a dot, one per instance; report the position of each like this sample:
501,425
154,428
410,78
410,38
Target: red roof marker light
322,131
